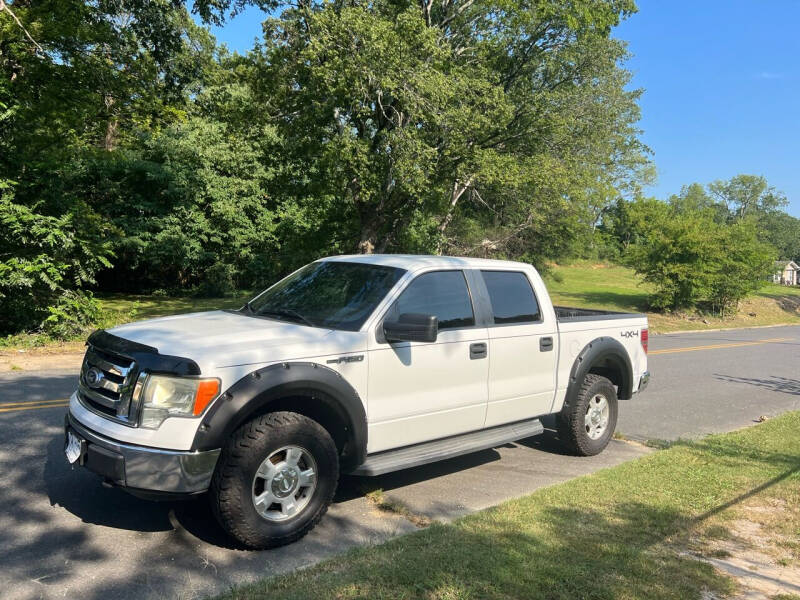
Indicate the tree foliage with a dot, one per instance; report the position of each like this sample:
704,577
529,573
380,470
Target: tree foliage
43,261
693,250
146,157
454,126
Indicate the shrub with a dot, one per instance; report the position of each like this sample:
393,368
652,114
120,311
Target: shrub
692,258
44,260
742,264
675,257
73,314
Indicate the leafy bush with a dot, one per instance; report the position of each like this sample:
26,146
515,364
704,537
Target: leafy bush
741,266
690,258
73,313
218,280
676,257
44,260
192,207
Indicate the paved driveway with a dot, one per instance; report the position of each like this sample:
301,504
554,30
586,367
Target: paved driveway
65,535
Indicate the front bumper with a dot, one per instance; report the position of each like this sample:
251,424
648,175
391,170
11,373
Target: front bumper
141,470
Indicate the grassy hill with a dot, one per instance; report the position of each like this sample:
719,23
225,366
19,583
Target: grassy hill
612,287
581,284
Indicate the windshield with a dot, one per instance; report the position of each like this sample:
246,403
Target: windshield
335,295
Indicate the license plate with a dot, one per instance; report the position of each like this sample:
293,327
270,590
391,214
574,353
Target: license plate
73,448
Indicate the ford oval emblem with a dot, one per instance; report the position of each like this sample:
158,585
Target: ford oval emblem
94,377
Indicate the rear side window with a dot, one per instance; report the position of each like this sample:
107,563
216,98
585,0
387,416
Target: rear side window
512,297
441,293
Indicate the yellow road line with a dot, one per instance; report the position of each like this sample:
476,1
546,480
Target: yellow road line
717,346
34,405
30,402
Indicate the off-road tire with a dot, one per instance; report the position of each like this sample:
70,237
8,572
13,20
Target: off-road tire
232,484
570,421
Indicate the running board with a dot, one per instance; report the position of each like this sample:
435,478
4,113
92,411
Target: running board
428,452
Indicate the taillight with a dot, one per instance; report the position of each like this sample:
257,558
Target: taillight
644,337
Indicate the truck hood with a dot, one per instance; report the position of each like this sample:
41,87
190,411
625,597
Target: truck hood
219,338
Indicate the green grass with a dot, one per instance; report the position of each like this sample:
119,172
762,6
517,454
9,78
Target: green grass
581,284
617,534
611,287
592,285
124,308
150,307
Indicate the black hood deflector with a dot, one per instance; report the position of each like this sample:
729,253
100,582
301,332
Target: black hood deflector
147,358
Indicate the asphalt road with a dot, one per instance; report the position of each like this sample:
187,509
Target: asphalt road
64,535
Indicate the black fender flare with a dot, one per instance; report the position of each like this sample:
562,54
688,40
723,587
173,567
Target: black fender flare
264,388
600,351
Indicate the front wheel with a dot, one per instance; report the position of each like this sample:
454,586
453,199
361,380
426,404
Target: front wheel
585,426
275,479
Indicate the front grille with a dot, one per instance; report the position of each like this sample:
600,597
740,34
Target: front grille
107,385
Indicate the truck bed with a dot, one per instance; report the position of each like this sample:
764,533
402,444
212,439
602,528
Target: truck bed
567,314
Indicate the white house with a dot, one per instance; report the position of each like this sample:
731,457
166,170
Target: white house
787,272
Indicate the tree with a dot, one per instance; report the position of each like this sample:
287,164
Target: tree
740,266
782,231
495,128
397,115
676,257
691,258
44,261
747,195
76,78
694,198
191,205
630,222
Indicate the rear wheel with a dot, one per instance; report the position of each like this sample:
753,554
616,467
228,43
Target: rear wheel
275,479
585,426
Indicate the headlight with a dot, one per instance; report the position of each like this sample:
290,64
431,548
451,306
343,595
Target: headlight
175,396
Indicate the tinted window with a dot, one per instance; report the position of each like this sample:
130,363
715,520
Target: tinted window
512,297
339,295
441,293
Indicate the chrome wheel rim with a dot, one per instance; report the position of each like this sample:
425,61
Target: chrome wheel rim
284,483
596,419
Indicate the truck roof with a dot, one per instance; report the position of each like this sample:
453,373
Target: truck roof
413,262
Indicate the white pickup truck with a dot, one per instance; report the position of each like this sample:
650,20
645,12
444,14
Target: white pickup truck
352,364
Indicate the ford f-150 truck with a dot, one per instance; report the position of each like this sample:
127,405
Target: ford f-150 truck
352,364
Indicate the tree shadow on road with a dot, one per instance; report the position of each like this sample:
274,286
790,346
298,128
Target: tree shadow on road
61,525
773,383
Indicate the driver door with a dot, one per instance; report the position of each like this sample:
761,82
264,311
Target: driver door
421,391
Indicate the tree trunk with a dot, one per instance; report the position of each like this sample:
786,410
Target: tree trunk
458,191
109,142
366,245
368,239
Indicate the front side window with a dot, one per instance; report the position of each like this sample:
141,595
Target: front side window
512,297
441,293
330,294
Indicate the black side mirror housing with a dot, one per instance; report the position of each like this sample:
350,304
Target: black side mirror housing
412,327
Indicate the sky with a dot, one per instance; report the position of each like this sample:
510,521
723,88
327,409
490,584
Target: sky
721,81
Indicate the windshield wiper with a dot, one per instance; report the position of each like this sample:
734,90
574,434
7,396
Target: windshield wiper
249,307
286,312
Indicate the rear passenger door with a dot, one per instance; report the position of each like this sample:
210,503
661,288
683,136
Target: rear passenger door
421,391
522,350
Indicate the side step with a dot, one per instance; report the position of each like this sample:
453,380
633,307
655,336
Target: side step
428,452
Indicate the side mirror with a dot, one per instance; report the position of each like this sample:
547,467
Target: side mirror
412,327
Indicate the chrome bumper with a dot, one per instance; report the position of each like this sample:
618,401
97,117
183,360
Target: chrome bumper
142,469
645,379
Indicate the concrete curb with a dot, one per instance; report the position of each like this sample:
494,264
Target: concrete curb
726,329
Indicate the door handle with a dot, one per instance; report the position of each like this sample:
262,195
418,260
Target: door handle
545,344
477,350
